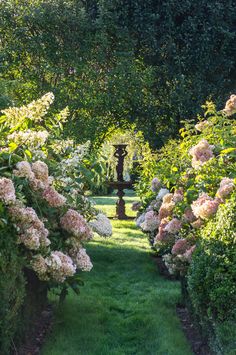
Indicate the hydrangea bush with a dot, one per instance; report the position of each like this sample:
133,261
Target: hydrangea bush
188,182
42,195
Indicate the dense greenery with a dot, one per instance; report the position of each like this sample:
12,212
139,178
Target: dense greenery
12,287
187,191
211,280
35,207
115,63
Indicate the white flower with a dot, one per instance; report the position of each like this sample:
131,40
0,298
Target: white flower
101,225
162,193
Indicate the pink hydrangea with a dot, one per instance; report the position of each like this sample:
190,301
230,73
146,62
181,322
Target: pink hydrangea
40,170
202,125
230,106
167,206
161,235
189,252
180,247
178,196
59,266
38,264
75,224
155,185
32,232
226,187
188,215
201,153
173,226
24,170
82,260
151,221
205,206
53,198
7,191
197,224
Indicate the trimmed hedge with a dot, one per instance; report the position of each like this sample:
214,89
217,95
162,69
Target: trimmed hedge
212,280
12,289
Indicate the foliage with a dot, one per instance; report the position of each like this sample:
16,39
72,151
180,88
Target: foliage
199,171
119,63
12,285
47,217
211,279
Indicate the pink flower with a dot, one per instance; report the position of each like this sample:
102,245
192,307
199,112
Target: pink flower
201,153
40,170
75,224
173,226
24,170
178,196
180,247
205,206
7,191
161,235
230,106
226,187
53,198
202,125
188,254
151,221
82,260
188,215
59,266
197,224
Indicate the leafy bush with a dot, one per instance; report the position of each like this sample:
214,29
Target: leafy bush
48,217
212,276
12,286
192,179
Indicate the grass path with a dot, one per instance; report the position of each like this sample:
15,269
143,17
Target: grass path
125,307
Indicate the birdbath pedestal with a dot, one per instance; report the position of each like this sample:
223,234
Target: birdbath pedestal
120,184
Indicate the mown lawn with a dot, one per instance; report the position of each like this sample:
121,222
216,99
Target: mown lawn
125,307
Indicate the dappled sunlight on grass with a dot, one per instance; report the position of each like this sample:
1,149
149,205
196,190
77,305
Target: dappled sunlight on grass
125,307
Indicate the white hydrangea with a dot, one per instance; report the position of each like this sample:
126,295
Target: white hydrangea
101,225
140,219
162,193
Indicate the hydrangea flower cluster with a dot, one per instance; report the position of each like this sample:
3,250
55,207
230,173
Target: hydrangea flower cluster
180,213
202,125
155,185
33,139
35,111
226,187
7,191
31,230
230,106
82,260
201,153
57,266
151,222
74,223
101,225
205,206
39,179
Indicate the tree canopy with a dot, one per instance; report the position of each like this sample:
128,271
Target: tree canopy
115,63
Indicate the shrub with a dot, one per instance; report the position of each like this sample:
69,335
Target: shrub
12,287
212,276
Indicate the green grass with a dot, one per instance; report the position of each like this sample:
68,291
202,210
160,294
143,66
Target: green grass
125,307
